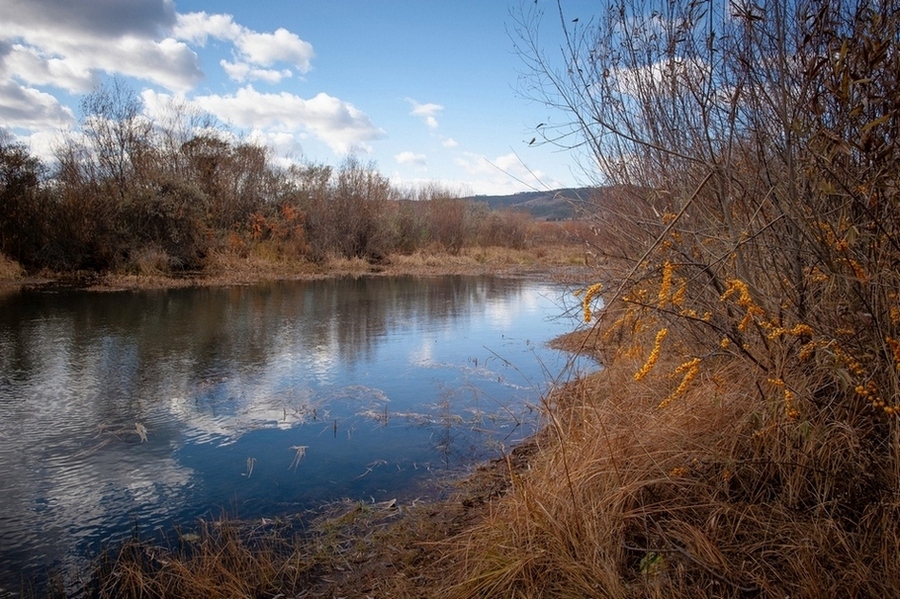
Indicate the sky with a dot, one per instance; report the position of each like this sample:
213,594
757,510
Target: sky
427,90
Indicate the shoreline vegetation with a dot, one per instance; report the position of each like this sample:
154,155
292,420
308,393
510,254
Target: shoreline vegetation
562,262
743,436
346,548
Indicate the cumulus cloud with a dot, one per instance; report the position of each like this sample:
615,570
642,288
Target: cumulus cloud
426,112
285,145
68,43
411,158
79,19
449,143
253,49
241,71
44,143
282,46
29,108
198,27
29,64
339,124
169,63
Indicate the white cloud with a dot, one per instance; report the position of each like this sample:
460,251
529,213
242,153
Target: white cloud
29,108
285,145
637,82
253,49
411,158
241,71
44,143
282,46
86,19
175,112
67,44
198,27
169,63
30,65
425,111
339,124
450,143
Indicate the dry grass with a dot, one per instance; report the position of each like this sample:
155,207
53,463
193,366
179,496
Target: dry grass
704,498
221,560
150,261
490,259
714,495
10,270
241,268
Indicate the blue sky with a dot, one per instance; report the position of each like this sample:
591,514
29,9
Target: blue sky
427,89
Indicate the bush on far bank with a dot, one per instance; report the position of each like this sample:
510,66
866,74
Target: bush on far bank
137,196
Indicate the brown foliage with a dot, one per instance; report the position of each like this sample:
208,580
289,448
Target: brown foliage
742,439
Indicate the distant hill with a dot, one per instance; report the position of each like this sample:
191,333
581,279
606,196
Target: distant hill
559,204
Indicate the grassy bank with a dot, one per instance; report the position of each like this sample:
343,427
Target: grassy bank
652,477
708,497
565,260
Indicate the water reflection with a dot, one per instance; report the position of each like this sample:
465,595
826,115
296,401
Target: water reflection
162,406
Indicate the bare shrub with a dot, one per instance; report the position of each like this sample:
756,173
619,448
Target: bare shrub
22,203
509,228
348,217
745,440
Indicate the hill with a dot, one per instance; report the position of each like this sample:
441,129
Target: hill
558,204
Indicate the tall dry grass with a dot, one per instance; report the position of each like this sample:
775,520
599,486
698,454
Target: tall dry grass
9,269
742,439
222,560
700,499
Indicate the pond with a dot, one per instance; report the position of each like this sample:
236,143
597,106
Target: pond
150,409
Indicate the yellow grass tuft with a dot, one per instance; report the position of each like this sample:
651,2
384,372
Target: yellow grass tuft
10,270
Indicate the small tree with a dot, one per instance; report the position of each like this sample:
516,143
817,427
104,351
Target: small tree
23,204
356,211
118,135
753,245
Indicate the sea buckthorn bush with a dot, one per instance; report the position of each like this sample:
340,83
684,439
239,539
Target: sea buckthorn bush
742,437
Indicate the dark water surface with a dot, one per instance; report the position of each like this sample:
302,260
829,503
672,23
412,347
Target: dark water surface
156,408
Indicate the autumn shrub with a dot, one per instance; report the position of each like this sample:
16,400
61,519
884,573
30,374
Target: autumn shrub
408,226
23,204
448,225
170,219
508,228
742,439
347,217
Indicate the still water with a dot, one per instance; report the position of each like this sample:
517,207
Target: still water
155,408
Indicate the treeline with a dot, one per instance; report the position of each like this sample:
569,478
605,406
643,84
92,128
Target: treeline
130,191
